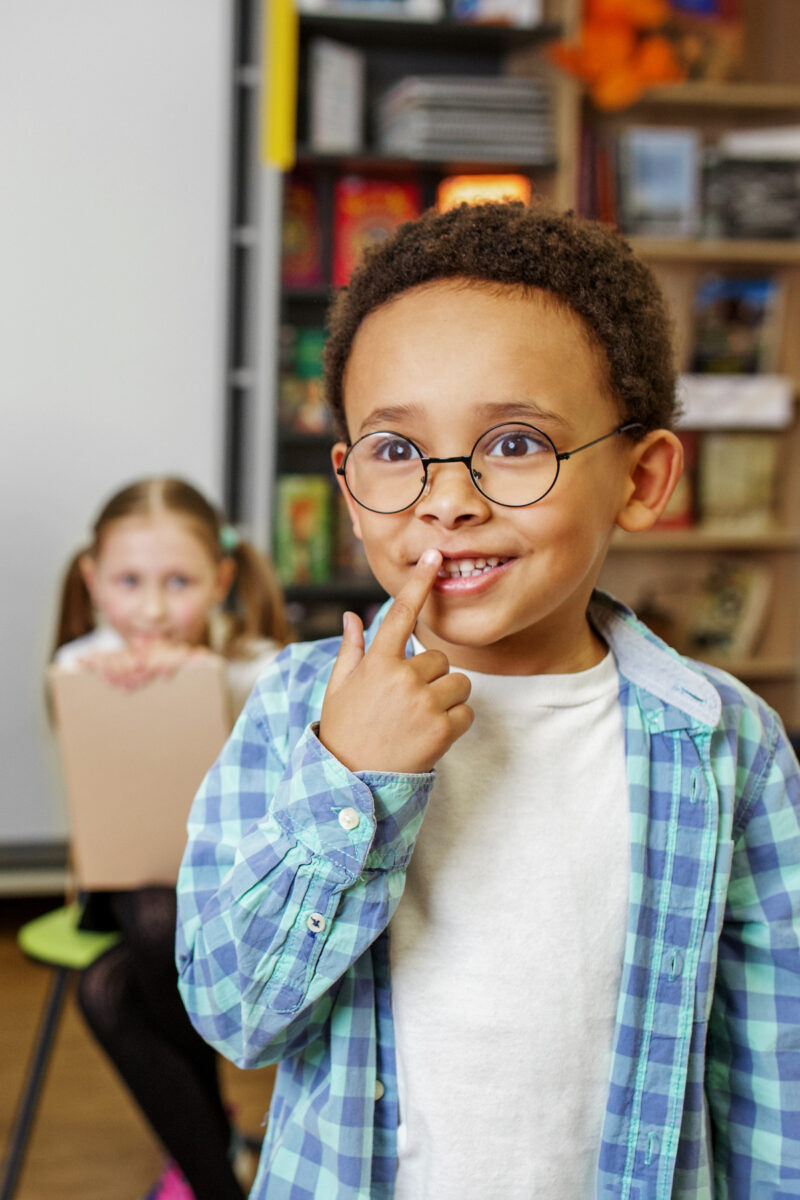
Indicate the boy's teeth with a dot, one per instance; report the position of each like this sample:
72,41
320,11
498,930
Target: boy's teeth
460,568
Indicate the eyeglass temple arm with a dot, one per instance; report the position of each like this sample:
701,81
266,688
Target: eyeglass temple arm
620,429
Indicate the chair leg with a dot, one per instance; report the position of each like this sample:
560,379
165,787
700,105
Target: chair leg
37,1067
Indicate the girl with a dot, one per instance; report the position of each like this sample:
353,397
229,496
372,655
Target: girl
142,597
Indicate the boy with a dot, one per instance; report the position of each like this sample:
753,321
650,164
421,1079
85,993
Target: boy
585,981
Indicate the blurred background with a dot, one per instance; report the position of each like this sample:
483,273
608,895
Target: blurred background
184,183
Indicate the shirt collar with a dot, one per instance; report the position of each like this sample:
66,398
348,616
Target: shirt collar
662,675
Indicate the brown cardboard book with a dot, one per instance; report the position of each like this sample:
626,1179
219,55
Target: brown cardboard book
132,762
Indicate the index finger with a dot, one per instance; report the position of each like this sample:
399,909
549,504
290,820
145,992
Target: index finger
399,622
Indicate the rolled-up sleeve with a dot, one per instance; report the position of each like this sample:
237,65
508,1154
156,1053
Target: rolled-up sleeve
293,866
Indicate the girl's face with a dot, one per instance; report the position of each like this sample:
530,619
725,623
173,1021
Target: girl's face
153,578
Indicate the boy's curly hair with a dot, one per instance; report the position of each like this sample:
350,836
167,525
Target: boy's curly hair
590,269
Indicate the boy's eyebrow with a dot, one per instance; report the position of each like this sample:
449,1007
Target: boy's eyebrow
520,410
494,411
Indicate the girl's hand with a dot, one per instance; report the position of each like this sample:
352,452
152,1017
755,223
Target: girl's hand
139,663
383,711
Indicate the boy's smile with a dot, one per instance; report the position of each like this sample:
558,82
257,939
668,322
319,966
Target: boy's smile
441,365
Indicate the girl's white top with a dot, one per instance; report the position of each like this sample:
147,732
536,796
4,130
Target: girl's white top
507,946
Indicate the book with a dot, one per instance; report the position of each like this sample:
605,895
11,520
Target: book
474,117
366,211
757,178
336,93
303,529
411,10
737,474
736,324
659,181
736,401
301,250
301,397
521,14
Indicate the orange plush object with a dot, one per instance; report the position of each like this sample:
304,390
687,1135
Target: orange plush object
620,50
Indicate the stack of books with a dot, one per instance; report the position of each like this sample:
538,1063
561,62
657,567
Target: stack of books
475,118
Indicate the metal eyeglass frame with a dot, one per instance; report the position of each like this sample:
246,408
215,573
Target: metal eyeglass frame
466,459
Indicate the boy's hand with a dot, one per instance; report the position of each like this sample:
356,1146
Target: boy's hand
383,711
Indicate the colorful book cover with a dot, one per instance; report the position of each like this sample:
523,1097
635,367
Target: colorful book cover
735,325
366,211
301,260
303,519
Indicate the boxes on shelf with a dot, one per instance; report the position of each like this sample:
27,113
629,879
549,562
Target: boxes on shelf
365,212
301,250
736,401
303,529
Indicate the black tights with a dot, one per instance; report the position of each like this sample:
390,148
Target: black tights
129,998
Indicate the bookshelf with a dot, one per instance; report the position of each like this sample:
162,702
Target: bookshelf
390,50
766,94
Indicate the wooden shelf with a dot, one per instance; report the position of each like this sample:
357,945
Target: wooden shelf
369,161
703,94
755,668
727,250
707,542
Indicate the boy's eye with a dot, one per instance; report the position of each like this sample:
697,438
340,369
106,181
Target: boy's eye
387,448
177,582
517,443
128,580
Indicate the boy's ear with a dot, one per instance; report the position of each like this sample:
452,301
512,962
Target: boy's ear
337,458
226,573
654,467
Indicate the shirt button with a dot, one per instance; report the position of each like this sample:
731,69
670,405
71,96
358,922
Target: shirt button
348,818
379,1089
316,922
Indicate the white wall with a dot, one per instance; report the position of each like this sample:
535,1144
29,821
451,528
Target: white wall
114,121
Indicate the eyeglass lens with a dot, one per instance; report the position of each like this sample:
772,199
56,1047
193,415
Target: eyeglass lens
514,465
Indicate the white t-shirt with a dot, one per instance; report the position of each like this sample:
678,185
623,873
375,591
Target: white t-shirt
507,947
241,673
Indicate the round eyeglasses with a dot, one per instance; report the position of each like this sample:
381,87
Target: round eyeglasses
513,465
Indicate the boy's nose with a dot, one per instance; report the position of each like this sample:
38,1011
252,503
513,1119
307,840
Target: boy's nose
451,497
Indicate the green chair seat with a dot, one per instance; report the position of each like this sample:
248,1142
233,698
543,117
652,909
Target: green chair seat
55,939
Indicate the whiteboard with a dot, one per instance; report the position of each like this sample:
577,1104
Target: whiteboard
114,144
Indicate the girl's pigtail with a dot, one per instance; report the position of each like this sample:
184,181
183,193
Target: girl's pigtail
76,614
259,599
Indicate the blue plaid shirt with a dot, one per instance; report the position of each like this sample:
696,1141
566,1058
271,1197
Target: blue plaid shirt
283,954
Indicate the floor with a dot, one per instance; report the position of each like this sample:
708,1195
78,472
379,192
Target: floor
89,1141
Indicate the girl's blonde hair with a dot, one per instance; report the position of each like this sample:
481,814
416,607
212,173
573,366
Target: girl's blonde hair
257,608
